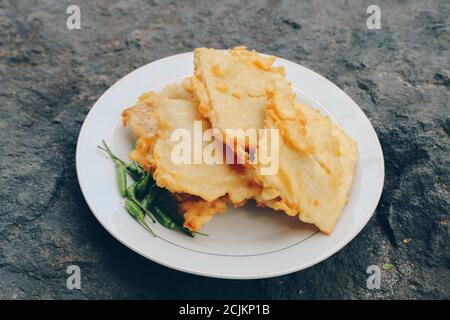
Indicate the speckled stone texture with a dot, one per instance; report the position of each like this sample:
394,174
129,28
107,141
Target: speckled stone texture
51,76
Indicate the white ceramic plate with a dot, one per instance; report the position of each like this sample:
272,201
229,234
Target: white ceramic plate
244,243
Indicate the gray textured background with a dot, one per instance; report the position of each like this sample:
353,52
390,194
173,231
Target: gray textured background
51,76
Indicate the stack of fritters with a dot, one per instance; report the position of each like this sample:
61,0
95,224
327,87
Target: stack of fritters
240,89
201,189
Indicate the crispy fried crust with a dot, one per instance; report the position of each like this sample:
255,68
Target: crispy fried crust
317,163
152,120
231,87
198,212
242,89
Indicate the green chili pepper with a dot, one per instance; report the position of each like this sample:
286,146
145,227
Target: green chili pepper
200,233
131,191
121,178
189,232
131,194
164,219
160,201
150,196
138,214
133,169
143,185
168,204
167,221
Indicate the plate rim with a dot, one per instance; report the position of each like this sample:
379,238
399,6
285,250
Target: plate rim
331,251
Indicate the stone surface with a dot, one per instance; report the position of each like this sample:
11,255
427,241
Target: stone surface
50,77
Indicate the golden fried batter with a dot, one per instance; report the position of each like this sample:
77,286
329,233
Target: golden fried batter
231,87
241,89
317,163
153,119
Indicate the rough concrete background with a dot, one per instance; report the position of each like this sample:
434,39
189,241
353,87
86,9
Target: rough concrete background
51,76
